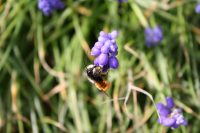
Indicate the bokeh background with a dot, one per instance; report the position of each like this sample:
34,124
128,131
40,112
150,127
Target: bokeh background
43,87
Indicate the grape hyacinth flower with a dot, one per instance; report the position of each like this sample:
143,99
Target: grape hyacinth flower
122,1
153,36
197,9
47,6
170,116
105,51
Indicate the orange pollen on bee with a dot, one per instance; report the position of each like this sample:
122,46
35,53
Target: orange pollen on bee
103,86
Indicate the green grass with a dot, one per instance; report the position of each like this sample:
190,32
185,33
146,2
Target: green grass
42,61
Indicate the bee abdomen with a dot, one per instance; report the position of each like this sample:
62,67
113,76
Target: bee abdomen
103,86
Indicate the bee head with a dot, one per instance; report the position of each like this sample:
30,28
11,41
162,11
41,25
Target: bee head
93,71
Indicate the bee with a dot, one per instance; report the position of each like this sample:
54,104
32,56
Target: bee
97,77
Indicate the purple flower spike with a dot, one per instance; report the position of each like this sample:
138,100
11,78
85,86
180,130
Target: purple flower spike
170,116
122,1
153,36
105,51
47,6
197,9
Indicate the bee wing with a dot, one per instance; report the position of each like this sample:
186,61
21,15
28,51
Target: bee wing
92,81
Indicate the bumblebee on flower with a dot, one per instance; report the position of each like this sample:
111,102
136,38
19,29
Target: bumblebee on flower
105,51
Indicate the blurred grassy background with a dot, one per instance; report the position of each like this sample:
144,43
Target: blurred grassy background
42,62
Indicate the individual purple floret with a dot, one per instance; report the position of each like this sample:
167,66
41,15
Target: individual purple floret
153,36
170,116
197,9
105,50
47,6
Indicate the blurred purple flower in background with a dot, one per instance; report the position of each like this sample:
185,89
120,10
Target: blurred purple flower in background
197,9
153,36
122,0
170,116
105,50
47,6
